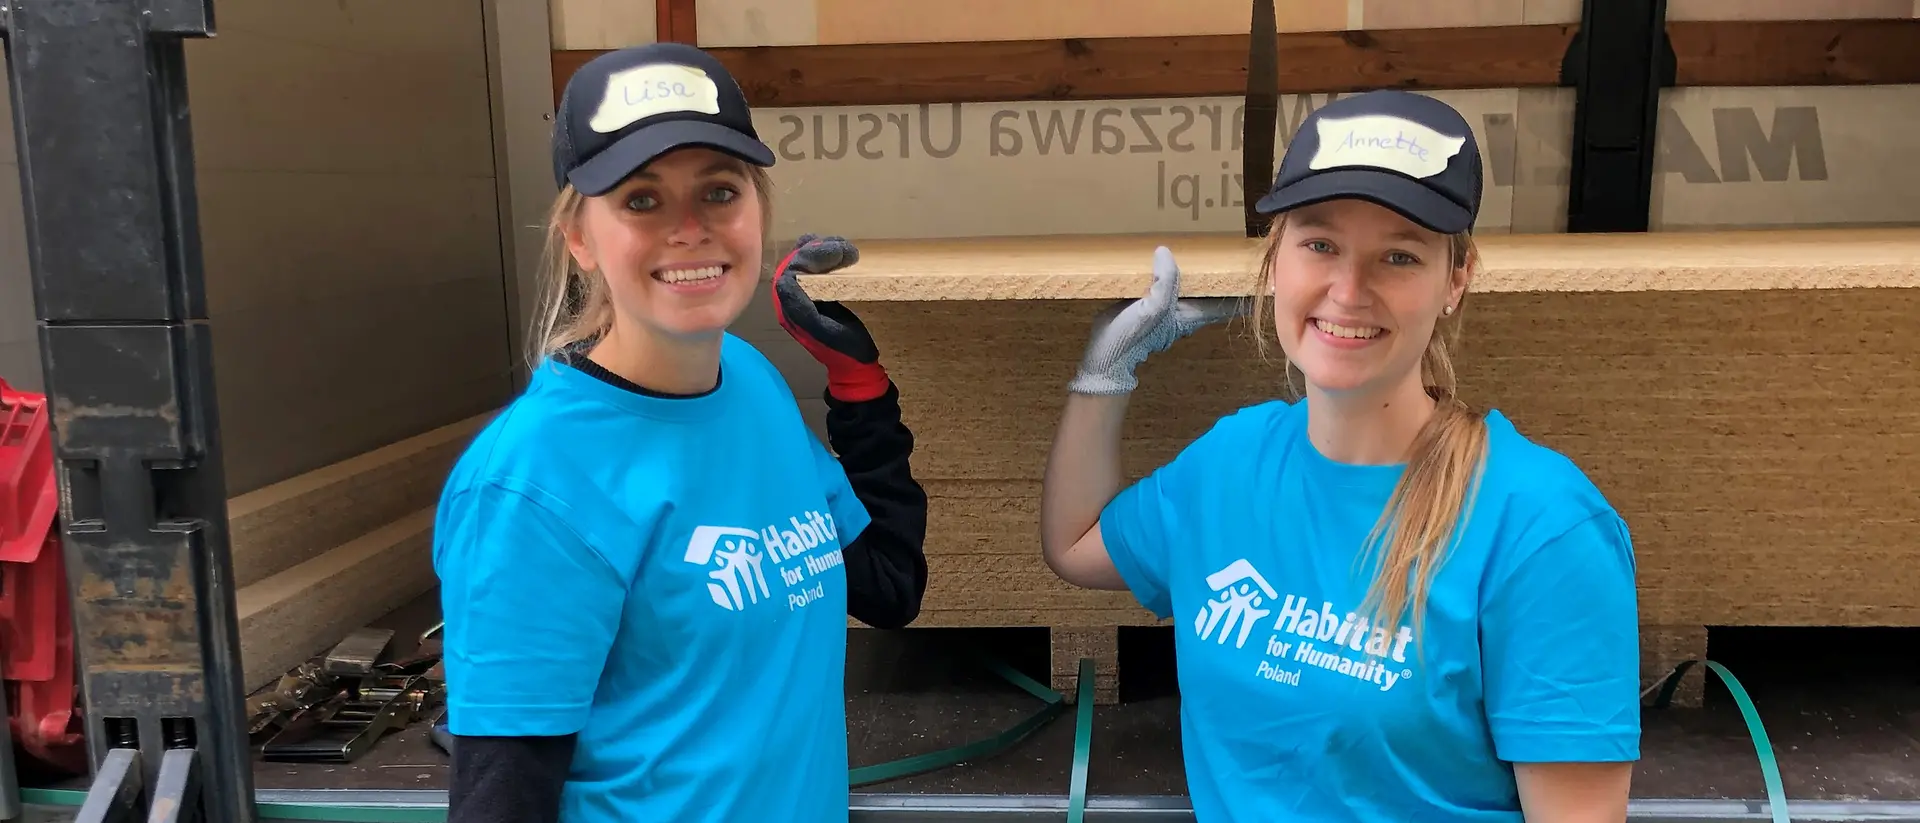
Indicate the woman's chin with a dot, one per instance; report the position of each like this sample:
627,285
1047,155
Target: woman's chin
703,312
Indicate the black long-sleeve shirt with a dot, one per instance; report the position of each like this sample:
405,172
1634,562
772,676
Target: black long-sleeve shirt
519,779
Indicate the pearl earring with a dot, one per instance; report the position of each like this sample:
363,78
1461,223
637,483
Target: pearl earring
1448,311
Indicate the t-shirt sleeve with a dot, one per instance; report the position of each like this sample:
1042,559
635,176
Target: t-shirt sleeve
850,516
531,610
1560,639
1141,524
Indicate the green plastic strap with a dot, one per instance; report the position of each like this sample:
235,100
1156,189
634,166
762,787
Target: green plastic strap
1769,768
1054,702
1082,743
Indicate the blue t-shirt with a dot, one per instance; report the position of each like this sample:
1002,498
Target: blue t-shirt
663,576
1251,540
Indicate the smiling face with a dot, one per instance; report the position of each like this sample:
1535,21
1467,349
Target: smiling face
1357,292
678,244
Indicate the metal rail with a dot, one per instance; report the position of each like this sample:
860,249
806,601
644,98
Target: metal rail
427,806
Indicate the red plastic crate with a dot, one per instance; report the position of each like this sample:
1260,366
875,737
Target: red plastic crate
36,625
28,494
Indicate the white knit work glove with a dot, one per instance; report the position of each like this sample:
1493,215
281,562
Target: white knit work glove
1128,331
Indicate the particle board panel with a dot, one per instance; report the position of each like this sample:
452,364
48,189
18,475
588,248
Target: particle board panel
1111,267
1760,443
1664,647
290,522
1102,646
289,617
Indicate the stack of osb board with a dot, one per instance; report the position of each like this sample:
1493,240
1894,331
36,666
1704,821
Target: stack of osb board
1744,398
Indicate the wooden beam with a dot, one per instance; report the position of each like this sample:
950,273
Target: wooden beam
1121,67
675,21
1708,53
1796,52
1108,267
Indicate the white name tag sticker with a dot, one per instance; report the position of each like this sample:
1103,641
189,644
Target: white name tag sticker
644,91
1385,142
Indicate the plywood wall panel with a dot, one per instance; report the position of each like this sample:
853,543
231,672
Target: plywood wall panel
349,228
1728,158
598,24
913,21
1740,157
603,24
301,105
1540,12
346,194
612,23
19,335
1787,9
723,23
1425,14
968,170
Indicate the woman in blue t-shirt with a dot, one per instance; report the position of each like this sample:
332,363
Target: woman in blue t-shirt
648,560
1386,606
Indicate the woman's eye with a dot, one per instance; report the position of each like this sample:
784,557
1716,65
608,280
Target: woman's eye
641,202
1320,246
1401,258
723,194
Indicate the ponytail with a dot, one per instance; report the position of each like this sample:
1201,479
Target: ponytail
1418,525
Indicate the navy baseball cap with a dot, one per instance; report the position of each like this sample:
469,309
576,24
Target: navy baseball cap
626,107
1405,151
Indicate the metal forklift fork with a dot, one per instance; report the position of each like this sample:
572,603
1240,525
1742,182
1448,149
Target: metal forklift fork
106,170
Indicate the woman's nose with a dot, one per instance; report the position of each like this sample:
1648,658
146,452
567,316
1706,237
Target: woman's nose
1349,286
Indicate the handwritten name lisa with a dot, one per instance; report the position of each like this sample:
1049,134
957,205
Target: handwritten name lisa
650,91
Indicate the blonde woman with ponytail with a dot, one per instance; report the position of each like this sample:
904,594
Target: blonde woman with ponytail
647,560
1387,606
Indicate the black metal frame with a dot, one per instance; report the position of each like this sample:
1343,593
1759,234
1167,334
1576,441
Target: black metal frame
106,167
1262,117
1618,62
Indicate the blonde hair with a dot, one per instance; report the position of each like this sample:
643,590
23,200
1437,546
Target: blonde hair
575,305
1443,464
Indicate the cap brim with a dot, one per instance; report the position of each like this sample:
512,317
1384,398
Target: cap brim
614,164
1414,201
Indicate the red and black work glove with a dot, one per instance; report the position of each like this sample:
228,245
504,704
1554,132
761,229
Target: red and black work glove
829,331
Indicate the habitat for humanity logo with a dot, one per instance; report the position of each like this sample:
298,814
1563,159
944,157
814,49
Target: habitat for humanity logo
1300,636
736,557
738,577
1238,603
